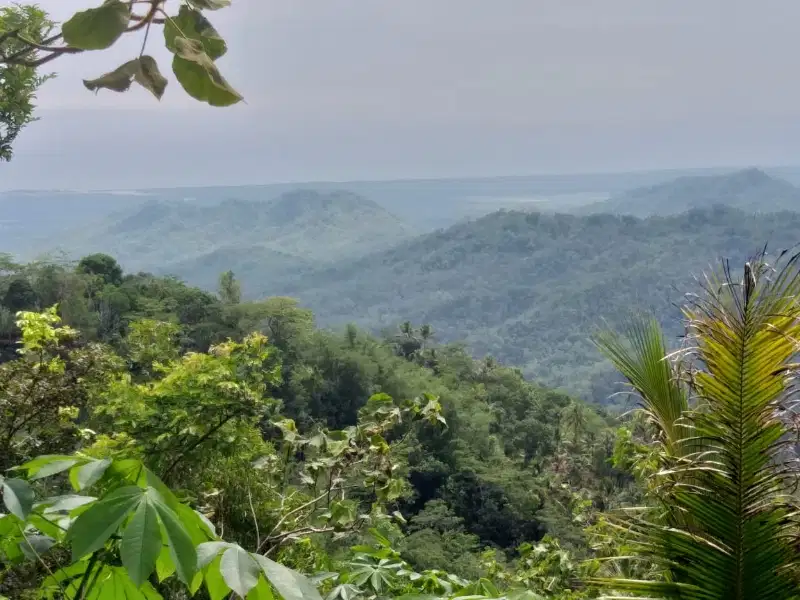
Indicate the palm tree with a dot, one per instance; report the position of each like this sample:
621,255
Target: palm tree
726,526
573,418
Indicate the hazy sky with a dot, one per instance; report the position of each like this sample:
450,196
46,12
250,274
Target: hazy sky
368,89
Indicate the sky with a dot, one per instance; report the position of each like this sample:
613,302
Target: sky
381,89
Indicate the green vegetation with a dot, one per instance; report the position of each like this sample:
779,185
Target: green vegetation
27,43
160,442
287,438
142,461
281,235
528,289
525,288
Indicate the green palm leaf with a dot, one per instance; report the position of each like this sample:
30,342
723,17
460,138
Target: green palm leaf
736,535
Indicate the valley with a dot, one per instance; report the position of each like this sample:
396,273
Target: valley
522,278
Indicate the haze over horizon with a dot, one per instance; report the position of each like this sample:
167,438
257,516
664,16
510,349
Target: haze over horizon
342,90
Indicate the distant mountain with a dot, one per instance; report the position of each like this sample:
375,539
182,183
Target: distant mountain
30,219
251,264
188,236
530,288
750,190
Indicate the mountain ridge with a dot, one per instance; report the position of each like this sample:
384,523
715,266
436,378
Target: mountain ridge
528,288
750,190
303,223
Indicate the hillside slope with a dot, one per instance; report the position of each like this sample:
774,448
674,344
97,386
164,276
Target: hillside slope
183,236
530,289
750,190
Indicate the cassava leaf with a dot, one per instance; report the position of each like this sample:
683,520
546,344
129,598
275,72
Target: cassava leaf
182,550
92,528
18,497
290,584
208,551
53,468
141,542
33,546
239,570
85,476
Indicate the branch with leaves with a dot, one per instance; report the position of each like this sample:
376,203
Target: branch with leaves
189,35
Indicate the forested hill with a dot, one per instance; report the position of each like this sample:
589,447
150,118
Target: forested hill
529,289
303,224
750,190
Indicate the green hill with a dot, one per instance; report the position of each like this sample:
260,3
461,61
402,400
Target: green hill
529,289
252,261
184,235
750,190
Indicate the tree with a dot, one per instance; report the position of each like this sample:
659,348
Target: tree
27,42
230,290
728,529
20,295
103,266
20,28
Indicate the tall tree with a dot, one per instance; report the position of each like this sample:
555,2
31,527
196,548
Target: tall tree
230,290
21,27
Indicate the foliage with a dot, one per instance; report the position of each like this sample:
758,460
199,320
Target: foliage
293,444
46,387
278,236
530,289
19,26
134,534
728,529
188,35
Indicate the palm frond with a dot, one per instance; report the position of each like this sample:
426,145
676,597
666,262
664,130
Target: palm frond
738,533
640,354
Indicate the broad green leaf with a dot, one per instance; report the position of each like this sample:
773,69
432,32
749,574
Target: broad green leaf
18,497
208,551
182,549
33,546
131,471
215,583
210,4
97,28
91,529
118,80
64,504
113,583
32,467
239,570
165,566
195,525
197,582
262,591
53,468
199,76
193,25
54,528
210,529
55,582
290,584
87,475
141,542
149,76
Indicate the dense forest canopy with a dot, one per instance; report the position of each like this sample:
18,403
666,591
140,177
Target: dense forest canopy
159,441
